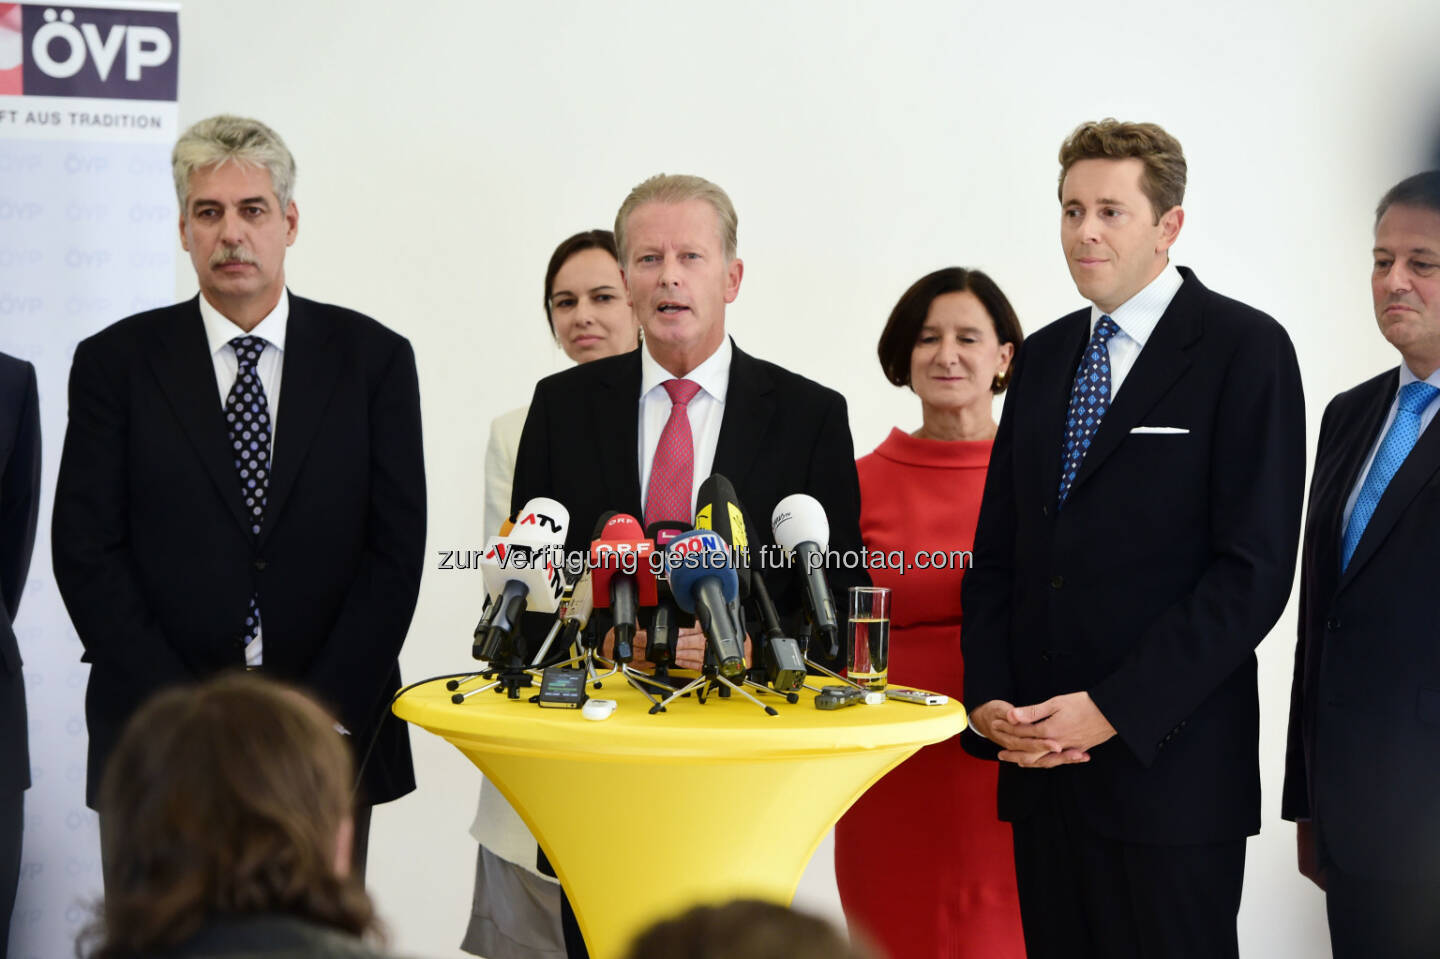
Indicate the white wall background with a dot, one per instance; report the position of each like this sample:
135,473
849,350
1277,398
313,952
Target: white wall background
445,148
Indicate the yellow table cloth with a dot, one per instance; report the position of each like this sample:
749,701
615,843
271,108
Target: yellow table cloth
644,816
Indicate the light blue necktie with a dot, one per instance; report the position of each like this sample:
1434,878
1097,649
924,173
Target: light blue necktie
1089,399
1398,443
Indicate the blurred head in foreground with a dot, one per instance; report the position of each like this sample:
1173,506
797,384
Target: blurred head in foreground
744,929
223,800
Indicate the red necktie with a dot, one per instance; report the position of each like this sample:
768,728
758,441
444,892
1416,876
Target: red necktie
672,472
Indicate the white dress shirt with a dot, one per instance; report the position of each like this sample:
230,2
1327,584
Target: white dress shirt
1137,318
219,331
1426,415
706,411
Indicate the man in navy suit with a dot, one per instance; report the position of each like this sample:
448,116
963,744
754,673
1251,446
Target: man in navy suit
179,551
19,512
1136,541
1362,772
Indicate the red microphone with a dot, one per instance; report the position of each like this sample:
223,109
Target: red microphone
622,551
622,578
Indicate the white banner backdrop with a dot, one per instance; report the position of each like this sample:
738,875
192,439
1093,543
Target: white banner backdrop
87,236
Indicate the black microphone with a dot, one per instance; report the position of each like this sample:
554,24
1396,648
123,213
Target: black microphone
778,655
802,530
778,661
664,624
718,508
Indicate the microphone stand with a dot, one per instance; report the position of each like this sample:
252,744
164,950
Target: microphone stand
711,679
514,675
589,654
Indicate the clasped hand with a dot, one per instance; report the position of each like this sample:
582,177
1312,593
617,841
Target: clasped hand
689,648
1062,729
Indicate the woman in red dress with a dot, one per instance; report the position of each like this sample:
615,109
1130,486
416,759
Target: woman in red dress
924,867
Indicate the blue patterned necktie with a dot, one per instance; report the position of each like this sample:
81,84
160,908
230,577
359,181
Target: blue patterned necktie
1089,399
1397,444
247,414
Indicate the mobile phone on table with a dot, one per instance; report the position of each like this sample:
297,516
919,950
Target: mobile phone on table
918,696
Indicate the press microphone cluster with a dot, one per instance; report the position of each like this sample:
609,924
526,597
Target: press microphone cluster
666,574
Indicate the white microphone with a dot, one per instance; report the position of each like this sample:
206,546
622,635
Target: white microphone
801,529
523,570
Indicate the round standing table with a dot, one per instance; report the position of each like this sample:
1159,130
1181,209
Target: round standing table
644,816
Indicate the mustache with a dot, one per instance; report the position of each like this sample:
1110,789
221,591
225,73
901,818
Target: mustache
231,254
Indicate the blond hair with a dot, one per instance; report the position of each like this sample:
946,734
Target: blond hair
678,188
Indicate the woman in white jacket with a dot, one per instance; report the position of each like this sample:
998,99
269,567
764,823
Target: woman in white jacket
516,909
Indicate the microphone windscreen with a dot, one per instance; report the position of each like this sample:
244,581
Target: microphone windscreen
622,527
695,556
718,508
605,517
541,522
799,518
665,531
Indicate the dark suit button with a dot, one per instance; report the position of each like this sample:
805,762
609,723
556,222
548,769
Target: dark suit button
1044,511
1044,655
1332,624
260,566
1057,581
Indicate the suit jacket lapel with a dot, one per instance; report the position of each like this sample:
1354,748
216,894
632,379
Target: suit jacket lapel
182,362
749,404
1160,363
307,381
1356,436
615,425
1417,470
1054,374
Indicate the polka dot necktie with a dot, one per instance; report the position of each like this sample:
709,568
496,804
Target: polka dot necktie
1398,442
672,472
247,414
1089,399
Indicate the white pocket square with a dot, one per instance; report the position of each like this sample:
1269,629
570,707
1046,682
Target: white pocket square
1167,430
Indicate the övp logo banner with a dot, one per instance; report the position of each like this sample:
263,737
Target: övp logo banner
121,53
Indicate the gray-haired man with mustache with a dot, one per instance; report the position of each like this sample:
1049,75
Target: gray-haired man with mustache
192,534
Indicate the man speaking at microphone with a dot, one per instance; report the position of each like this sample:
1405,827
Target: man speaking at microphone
641,431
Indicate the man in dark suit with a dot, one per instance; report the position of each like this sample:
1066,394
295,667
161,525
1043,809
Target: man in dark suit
639,432
178,551
19,513
1362,771
1136,542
